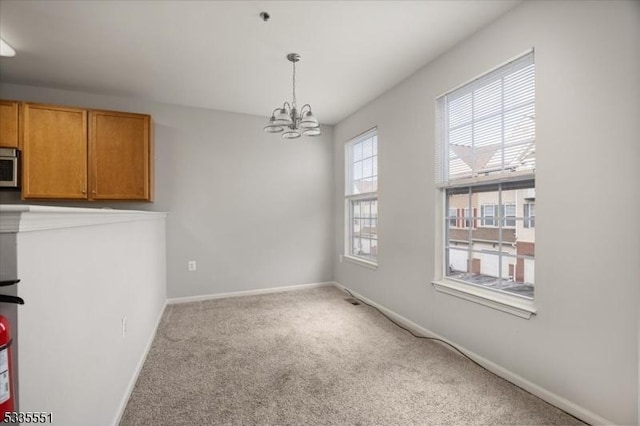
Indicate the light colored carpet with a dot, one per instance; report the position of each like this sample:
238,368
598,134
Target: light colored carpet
309,357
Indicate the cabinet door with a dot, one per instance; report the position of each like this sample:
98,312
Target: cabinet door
119,154
54,152
9,124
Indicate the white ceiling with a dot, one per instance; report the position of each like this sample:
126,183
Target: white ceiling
221,55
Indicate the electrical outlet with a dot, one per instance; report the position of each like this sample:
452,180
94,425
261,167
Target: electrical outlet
192,265
124,327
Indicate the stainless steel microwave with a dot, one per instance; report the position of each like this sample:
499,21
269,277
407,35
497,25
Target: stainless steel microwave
9,168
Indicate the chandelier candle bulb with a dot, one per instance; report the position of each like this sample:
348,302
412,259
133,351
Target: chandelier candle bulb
288,117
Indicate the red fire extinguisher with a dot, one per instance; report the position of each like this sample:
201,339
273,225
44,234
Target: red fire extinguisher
6,371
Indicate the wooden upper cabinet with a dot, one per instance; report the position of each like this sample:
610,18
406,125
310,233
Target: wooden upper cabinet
54,152
79,154
9,119
120,149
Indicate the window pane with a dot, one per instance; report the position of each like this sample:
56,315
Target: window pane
457,261
357,152
487,100
374,249
367,167
367,148
364,228
365,249
519,87
356,246
487,131
357,170
356,208
460,110
457,203
487,243
488,267
519,124
372,184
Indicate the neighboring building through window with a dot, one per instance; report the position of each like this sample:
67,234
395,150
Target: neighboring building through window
361,197
486,169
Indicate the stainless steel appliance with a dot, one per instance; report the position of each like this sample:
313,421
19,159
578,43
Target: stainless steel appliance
9,168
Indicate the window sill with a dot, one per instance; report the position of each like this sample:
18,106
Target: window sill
503,302
358,261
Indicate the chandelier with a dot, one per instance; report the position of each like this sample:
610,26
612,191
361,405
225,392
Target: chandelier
288,117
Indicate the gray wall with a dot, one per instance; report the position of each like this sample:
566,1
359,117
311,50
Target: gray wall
254,210
583,344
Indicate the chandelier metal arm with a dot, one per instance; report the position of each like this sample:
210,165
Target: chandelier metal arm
302,110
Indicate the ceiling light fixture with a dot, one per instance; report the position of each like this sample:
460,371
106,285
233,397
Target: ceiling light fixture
288,117
5,49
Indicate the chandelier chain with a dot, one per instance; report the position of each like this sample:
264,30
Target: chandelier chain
294,84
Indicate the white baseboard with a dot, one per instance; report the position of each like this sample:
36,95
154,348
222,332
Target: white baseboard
189,299
553,399
134,377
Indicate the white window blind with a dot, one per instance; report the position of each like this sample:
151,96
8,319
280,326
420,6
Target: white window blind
488,126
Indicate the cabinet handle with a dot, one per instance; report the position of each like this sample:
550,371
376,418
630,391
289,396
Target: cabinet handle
94,192
11,299
84,191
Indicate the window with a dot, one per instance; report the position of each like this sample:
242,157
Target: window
486,165
488,212
510,214
529,214
453,217
361,198
467,218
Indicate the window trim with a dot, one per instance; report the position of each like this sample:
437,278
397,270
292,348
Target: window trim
349,198
514,305
359,261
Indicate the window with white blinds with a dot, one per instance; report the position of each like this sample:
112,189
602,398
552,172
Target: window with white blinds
486,171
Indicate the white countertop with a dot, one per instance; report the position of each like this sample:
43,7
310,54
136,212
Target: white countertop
25,217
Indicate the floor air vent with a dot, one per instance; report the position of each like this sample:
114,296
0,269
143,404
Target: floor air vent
352,301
